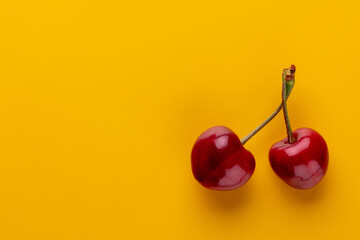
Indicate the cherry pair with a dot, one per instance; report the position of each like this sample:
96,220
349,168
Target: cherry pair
220,161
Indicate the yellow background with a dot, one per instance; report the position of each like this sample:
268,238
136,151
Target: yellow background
101,102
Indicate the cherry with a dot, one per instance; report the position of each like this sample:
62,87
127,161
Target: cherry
220,161
301,159
301,164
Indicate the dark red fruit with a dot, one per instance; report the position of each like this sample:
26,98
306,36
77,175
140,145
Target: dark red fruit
219,160
303,163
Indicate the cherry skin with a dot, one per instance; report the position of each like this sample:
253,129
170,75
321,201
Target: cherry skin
303,163
219,160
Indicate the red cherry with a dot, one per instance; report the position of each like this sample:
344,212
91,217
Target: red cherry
219,160
303,163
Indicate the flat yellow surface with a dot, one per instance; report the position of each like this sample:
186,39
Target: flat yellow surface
101,102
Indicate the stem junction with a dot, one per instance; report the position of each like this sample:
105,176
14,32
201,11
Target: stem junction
288,76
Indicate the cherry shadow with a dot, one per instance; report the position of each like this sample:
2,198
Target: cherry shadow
225,201
303,197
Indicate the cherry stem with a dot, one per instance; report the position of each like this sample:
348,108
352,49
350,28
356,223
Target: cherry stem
263,124
287,76
287,92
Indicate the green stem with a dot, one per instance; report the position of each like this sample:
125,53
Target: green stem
288,88
288,75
